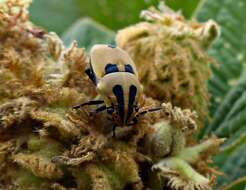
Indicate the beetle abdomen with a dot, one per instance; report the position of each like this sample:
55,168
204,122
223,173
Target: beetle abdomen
131,101
119,94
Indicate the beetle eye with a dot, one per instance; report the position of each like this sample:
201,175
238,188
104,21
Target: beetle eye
110,110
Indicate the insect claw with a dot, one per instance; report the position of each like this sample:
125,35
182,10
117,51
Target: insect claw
76,107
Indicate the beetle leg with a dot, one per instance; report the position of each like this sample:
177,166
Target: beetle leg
102,108
91,102
91,75
89,71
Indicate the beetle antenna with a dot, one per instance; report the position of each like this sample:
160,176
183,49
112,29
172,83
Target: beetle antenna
150,110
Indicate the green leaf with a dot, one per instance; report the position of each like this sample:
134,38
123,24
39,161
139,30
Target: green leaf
231,106
115,14
231,126
230,121
232,164
56,15
228,86
235,140
229,49
239,184
87,33
187,7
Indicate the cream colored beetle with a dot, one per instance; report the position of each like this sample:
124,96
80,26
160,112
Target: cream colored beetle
114,73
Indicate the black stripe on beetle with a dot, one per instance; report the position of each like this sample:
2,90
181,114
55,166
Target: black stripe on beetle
131,101
129,69
111,68
119,94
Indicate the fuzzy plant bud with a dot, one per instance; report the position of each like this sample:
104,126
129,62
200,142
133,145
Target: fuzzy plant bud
163,140
173,160
170,56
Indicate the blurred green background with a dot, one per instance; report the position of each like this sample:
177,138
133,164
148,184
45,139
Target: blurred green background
114,14
97,21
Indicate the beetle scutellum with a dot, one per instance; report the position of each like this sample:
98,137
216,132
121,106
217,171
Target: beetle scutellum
116,79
